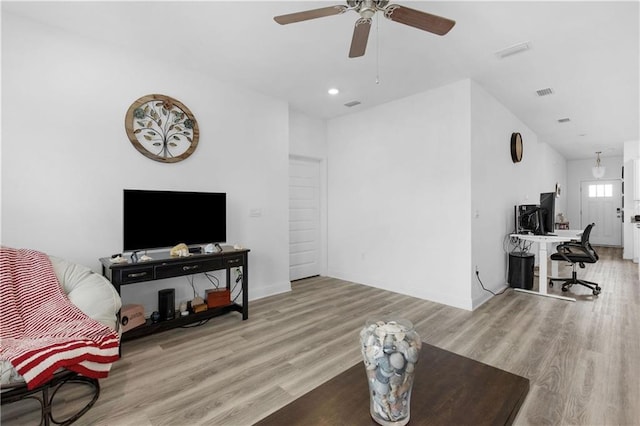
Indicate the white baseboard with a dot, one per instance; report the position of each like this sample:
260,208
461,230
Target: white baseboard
260,291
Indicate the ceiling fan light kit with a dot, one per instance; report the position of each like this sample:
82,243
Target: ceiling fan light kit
367,9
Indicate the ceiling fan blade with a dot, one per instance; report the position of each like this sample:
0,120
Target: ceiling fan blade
418,19
360,37
310,14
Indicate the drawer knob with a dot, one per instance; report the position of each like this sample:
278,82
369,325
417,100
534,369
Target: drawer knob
189,268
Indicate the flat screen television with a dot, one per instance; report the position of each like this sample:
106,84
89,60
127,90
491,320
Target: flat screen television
548,212
158,219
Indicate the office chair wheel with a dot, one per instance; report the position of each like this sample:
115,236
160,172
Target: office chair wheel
598,288
550,283
565,289
596,292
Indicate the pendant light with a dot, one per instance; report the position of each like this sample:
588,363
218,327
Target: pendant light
598,170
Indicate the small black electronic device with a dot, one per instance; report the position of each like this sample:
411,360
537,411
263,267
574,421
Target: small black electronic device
195,249
167,304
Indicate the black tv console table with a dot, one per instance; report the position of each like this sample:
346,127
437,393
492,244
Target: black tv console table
164,266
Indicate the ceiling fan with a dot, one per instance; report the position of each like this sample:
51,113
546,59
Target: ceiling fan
367,8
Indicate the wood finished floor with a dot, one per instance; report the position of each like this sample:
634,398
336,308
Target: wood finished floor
582,358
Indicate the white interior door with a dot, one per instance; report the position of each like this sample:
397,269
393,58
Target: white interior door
601,203
304,218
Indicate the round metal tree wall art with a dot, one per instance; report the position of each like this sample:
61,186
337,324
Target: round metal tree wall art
162,128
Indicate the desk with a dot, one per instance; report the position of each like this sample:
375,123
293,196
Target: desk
448,389
561,236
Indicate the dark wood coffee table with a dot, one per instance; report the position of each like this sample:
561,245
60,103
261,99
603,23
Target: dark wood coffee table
448,389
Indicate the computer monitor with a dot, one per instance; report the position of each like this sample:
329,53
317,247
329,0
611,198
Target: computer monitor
548,212
528,219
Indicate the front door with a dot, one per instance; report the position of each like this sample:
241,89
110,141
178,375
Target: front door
601,203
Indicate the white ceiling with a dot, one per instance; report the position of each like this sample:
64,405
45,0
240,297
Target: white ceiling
587,52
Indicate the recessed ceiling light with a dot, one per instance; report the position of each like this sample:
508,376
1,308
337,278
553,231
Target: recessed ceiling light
333,91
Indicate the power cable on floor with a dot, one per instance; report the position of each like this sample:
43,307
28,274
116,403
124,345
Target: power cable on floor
485,289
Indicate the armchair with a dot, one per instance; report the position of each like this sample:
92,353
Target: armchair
58,325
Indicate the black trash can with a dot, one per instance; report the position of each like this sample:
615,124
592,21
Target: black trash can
521,266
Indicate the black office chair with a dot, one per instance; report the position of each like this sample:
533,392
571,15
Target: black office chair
579,253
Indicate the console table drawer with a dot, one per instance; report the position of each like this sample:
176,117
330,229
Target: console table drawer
232,261
186,268
133,275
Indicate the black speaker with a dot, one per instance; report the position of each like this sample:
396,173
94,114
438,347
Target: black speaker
521,266
167,304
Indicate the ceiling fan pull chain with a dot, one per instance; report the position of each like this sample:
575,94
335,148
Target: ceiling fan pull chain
378,48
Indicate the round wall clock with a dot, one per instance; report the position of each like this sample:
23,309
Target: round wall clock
162,128
516,147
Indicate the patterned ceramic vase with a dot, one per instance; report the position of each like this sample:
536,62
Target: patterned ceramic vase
390,349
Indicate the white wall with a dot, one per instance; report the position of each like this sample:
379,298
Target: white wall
66,157
307,136
498,185
422,190
579,171
400,196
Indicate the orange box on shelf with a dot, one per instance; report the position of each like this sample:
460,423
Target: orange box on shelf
218,297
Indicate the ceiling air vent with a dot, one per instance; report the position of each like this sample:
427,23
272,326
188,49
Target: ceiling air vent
512,50
544,92
564,120
352,104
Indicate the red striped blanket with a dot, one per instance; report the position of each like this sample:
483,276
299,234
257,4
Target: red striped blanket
41,331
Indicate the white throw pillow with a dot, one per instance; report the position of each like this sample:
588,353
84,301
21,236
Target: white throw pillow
89,291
